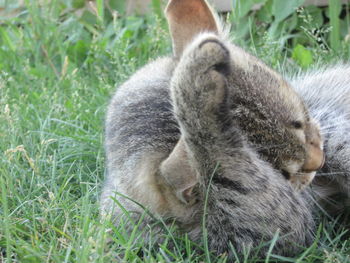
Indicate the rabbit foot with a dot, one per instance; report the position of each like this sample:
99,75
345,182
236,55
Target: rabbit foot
301,181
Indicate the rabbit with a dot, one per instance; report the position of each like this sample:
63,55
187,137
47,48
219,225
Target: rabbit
212,132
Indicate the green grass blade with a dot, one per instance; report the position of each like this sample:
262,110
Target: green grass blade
5,216
100,10
334,12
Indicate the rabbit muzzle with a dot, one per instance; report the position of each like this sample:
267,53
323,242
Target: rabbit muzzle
315,157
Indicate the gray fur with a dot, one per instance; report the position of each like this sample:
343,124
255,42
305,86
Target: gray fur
249,201
327,94
216,119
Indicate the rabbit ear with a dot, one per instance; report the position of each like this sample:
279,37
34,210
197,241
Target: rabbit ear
186,19
179,175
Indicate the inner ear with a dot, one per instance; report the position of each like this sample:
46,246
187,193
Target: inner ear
179,174
188,195
186,19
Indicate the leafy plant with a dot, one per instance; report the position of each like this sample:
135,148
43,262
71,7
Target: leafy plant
293,25
302,56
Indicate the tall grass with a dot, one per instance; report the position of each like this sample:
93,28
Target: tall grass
58,69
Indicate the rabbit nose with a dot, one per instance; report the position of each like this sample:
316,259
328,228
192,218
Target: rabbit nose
315,158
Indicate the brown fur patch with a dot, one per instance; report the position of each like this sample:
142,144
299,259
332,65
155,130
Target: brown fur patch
188,18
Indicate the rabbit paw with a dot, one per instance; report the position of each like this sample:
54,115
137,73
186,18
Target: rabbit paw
301,181
213,61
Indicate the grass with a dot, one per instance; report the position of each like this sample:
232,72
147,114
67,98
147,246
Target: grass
58,70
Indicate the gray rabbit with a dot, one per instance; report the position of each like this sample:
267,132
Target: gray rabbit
212,132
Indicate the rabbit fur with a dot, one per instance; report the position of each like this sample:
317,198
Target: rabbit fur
212,132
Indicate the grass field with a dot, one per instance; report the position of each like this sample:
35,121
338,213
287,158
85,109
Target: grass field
58,70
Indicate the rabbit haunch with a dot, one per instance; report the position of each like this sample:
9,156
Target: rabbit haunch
202,114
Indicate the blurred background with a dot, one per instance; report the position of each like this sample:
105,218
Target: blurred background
301,29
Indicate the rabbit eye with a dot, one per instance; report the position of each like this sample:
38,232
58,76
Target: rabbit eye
297,124
286,174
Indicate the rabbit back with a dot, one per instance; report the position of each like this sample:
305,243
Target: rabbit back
327,95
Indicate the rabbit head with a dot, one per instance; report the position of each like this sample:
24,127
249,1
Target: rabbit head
261,102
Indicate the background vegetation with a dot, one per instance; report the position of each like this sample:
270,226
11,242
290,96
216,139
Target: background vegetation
59,63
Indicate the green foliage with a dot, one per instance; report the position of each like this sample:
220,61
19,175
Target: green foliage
291,24
282,9
334,12
302,56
